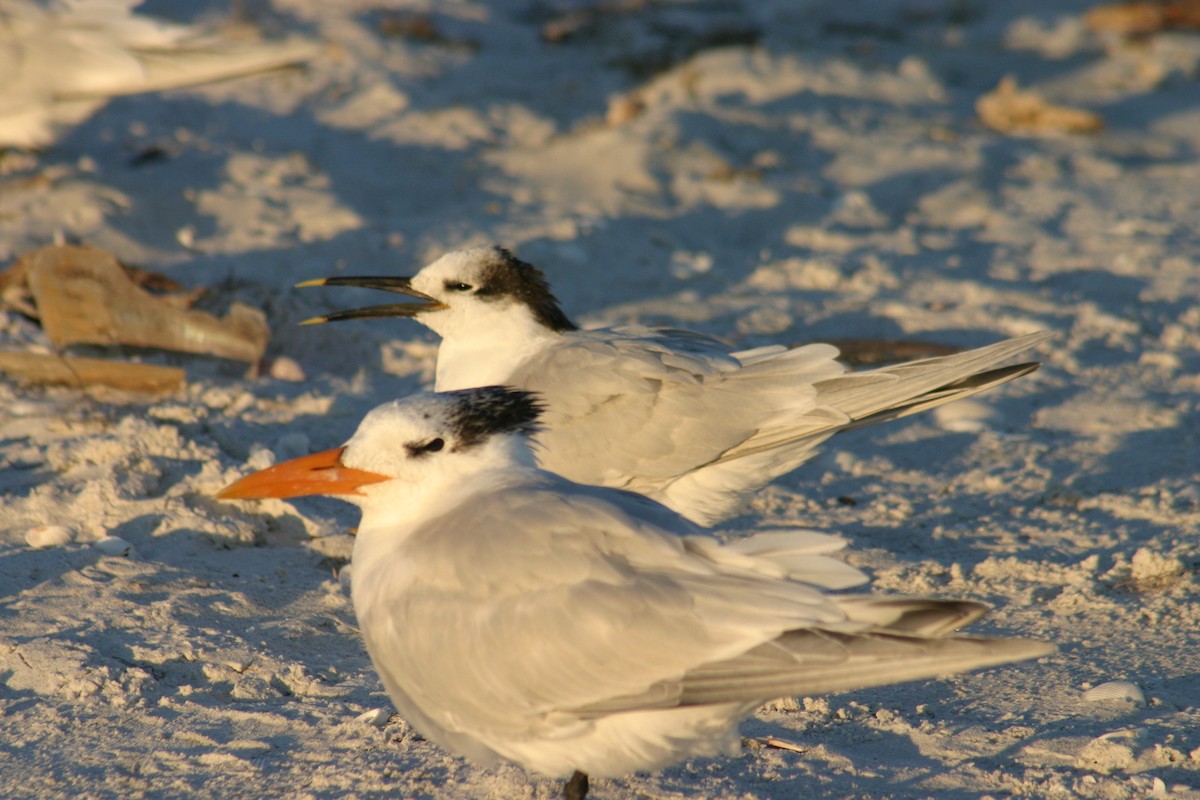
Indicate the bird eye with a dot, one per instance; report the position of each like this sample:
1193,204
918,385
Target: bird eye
432,446
457,286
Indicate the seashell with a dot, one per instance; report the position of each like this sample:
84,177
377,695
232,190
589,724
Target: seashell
113,546
378,717
1115,690
49,536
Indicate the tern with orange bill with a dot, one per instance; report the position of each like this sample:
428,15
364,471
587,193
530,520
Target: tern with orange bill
513,615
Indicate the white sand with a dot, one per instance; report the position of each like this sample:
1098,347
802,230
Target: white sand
830,181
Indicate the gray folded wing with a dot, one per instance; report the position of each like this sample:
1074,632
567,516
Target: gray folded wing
684,420
536,606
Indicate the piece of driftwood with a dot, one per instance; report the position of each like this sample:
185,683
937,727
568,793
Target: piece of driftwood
84,296
42,368
1009,109
15,295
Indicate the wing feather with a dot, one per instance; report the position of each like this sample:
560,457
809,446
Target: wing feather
577,606
568,602
681,418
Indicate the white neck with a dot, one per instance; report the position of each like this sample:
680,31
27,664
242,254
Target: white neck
487,353
395,510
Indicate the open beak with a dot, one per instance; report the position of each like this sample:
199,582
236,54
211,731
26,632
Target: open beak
384,283
320,473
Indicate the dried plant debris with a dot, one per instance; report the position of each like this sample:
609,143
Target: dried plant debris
1143,19
83,295
623,109
569,23
646,37
1008,109
416,27
46,368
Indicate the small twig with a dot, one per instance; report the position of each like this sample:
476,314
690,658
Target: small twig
782,744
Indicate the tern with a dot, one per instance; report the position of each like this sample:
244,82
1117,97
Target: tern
675,415
63,59
513,615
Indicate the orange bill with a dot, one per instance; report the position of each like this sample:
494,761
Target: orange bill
320,473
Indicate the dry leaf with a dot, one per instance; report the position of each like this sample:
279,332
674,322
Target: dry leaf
1140,19
83,296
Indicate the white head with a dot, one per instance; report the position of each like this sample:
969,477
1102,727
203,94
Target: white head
410,447
484,292
431,436
487,288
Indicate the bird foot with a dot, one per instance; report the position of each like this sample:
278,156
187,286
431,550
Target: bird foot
577,787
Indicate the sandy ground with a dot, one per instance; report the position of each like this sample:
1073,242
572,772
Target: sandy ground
822,175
